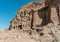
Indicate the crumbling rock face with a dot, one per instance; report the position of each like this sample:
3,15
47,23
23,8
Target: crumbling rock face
48,33
35,22
33,15
26,17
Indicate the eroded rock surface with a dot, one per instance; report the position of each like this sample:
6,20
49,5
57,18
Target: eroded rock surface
35,22
35,14
48,33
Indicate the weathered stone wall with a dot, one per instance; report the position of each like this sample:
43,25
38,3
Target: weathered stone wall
54,4
35,14
26,16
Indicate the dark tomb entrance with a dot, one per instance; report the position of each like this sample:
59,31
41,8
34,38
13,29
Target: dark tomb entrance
45,15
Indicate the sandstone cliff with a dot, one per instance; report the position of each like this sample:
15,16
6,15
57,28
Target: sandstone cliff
35,14
35,22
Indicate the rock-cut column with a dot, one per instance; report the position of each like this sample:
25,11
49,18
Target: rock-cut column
54,16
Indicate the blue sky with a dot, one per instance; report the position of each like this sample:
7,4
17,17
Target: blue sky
8,9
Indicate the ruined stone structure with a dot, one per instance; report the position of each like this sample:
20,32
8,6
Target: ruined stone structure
54,6
36,14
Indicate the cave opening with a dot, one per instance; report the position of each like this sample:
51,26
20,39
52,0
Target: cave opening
20,26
